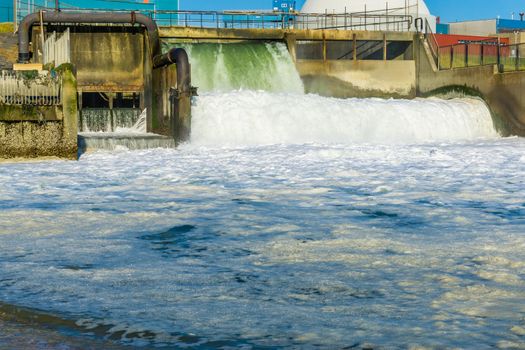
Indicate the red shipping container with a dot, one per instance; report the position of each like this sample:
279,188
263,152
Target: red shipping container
449,39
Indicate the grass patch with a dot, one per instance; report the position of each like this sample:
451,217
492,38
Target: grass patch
6,28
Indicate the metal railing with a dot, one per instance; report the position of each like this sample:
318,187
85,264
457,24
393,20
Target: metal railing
57,49
432,42
20,90
469,54
512,58
395,19
508,58
272,20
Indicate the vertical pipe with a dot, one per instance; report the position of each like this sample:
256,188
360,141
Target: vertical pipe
384,47
43,41
354,54
324,47
80,119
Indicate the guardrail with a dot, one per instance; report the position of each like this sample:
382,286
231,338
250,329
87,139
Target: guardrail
395,19
432,42
20,90
272,20
469,54
508,58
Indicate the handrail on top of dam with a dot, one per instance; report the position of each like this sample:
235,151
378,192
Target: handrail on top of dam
389,19
488,52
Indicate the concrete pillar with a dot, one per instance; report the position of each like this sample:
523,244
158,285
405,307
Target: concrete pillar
70,112
354,54
80,106
324,47
148,84
384,47
291,43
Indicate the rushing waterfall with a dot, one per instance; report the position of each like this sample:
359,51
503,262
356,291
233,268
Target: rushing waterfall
248,118
246,66
105,120
251,93
127,136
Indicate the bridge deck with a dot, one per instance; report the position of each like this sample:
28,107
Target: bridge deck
229,34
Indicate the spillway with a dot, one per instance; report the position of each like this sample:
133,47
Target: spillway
243,66
259,118
251,94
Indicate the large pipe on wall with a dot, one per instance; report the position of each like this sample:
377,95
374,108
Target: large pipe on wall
180,97
24,30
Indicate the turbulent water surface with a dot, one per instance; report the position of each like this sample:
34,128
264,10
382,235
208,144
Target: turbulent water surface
325,245
288,221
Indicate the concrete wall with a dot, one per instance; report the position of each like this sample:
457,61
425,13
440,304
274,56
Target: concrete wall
226,35
344,78
504,93
108,61
114,59
31,131
163,79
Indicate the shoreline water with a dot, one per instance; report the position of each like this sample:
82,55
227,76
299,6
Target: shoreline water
27,335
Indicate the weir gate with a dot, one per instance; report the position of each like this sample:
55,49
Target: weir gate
119,77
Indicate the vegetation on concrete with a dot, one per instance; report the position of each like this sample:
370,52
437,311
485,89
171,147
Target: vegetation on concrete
35,131
6,28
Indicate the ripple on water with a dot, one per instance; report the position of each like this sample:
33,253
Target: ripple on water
278,246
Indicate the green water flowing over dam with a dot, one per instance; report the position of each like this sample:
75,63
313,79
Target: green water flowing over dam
246,66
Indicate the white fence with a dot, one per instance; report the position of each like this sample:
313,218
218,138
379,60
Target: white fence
57,50
42,90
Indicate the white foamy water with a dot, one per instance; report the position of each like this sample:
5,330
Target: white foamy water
290,221
284,246
260,118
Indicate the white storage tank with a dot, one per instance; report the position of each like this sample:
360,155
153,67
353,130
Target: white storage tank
414,8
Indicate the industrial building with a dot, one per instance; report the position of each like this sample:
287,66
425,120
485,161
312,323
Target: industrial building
487,27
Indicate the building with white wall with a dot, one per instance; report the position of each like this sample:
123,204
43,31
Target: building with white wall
414,8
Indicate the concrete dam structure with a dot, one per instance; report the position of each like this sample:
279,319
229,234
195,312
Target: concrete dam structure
127,91
117,75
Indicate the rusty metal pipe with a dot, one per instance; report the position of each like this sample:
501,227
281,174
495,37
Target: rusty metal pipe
181,96
24,55
180,58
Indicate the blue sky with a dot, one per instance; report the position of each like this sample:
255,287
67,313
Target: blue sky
449,10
